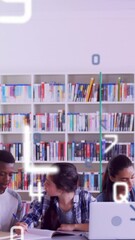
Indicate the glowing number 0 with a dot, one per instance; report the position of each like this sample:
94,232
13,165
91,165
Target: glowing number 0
96,59
18,19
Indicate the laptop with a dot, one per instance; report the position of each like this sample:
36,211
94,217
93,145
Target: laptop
111,220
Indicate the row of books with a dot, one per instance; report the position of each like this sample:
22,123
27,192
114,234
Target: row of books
82,151
15,92
119,148
55,92
81,92
75,121
38,178
109,122
15,148
13,121
117,92
90,151
49,92
22,181
42,151
76,151
49,121
90,180
49,151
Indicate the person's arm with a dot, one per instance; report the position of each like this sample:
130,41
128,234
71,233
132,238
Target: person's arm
31,217
100,197
74,227
34,214
19,211
85,200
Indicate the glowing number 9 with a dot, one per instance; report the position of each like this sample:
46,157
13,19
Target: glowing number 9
18,19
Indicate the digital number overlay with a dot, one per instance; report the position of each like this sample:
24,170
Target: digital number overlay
18,19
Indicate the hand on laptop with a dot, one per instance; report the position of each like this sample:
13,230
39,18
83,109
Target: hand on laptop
84,227
66,227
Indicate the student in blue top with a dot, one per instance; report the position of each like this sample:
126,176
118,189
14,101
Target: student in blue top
119,169
64,205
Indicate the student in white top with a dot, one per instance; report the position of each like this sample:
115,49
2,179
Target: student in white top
10,201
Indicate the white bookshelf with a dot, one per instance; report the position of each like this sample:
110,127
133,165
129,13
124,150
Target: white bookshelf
48,104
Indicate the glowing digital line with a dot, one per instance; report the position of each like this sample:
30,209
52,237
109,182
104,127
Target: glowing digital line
133,208
18,19
38,194
123,197
30,168
115,137
12,234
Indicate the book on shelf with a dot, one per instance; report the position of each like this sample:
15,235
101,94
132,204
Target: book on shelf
47,234
89,90
89,181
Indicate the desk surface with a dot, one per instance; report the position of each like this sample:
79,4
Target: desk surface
66,238
62,238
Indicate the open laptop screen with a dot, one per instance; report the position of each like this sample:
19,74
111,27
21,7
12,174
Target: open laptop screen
111,220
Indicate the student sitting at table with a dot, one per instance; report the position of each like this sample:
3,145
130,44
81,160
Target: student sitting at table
10,201
64,206
119,169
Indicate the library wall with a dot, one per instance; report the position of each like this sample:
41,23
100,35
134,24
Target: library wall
62,38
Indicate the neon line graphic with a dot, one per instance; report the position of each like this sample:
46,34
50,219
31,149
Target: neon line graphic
29,167
18,19
115,137
123,197
133,208
38,194
21,236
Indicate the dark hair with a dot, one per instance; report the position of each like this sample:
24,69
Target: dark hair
66,179
6,157
115,165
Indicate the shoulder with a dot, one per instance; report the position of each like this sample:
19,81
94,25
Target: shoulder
100,197
45,201
84,194
14,194
133,189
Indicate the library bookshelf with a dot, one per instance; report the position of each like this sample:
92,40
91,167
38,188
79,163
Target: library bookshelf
64,112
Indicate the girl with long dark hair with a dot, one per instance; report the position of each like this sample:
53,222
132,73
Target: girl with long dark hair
119,169
64,206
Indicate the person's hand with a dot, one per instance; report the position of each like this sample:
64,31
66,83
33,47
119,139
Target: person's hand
66,227
23,225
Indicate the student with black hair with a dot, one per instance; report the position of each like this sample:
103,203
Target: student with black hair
64,206
10,201
119,169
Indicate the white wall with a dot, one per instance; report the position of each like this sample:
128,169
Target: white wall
63,34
